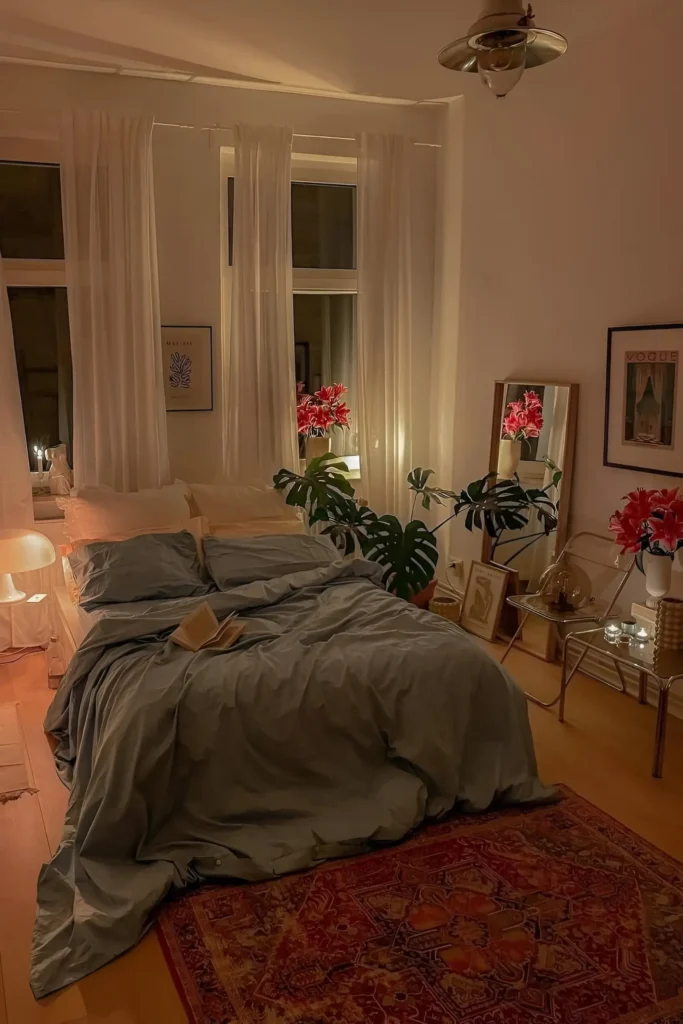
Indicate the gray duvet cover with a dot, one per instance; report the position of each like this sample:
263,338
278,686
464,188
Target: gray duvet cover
342,718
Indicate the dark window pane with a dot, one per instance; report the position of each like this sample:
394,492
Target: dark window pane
323,226
30,212
40,323
325,353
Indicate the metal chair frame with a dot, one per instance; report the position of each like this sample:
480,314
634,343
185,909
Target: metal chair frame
521,603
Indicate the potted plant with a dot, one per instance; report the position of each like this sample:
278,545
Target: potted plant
408,553
523,420
650,526
318,414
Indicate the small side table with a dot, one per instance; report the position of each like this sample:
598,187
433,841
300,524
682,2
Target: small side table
669,670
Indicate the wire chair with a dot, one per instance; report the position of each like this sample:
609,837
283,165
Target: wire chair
608,580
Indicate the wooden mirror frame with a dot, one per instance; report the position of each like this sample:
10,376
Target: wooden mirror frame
541,639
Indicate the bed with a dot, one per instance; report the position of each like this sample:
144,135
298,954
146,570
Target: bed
342,718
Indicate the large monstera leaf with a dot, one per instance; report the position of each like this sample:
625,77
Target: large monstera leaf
493,506
408,554
417,481
321,488
348,525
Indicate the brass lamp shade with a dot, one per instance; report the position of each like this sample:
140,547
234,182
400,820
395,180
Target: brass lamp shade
502,44
542,46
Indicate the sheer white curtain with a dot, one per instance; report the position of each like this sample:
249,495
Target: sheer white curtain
396,253
17,626
259,389
120,434
16,507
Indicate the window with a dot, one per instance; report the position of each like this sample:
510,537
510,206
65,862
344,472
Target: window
32,247
324,277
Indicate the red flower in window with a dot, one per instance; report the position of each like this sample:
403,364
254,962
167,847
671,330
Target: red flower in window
341,414
321,418
303,418
325,394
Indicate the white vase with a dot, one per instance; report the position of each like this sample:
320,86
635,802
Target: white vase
657,577
317,446
509,455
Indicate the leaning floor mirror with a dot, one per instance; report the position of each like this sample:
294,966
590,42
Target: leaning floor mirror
533,436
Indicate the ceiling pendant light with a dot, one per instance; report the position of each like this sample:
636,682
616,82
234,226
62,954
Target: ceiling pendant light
501,44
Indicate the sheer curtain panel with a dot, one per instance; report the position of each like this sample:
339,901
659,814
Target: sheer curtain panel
259,417
385,321
17,627
111,268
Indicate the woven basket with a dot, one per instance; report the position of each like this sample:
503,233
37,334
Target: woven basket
446,607
669,625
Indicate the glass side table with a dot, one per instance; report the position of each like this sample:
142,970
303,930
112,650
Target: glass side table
669,670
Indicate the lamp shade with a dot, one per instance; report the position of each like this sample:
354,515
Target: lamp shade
23,550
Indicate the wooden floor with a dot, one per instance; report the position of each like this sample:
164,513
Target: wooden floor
603,752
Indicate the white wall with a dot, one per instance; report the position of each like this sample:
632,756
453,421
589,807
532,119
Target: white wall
188,186
572,223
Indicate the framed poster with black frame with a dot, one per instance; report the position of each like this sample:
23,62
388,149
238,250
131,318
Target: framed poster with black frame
643,419
188,368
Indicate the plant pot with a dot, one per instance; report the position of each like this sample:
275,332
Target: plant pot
509,455
422,599
317,446
657,569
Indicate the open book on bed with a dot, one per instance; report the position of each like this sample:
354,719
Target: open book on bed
201,630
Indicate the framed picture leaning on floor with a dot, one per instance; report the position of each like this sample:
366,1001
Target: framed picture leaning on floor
643,418
483,602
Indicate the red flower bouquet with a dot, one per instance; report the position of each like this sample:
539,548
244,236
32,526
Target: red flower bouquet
649,521
523,419
317,414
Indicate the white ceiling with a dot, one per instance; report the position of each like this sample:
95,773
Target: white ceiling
371,47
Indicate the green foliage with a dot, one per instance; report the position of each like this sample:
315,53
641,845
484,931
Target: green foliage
348,525
408,554
417,481
321,487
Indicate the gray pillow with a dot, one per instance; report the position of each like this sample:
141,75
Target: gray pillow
153,565
231,561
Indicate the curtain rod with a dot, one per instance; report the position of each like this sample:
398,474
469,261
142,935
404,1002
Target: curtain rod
297,135
225,128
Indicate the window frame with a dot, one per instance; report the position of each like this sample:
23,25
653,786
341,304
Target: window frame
310,168
32,273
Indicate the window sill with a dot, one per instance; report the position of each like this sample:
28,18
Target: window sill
45,508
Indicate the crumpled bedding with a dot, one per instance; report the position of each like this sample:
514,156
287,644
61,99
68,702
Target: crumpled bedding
342,718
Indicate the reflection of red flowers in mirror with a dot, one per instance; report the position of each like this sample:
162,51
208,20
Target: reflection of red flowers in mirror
649,521
316,414
524,418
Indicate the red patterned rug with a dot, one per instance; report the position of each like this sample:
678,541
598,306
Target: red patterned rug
556,915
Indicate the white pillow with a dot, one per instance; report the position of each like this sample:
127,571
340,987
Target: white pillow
239,503
99,513
257,528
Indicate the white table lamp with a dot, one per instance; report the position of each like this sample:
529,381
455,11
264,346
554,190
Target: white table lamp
21,551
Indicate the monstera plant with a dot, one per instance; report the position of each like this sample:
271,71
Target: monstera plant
408,554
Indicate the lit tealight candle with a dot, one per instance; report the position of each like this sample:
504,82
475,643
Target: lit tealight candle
612,633
642,635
